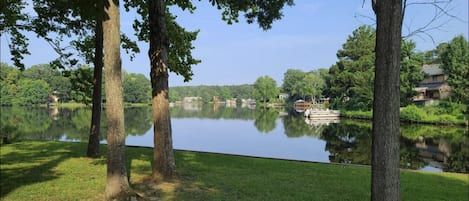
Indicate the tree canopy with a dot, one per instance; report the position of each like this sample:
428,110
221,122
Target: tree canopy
303,85
350,81
455,64
265,89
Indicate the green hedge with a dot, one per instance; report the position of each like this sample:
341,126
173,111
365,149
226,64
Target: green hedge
446,113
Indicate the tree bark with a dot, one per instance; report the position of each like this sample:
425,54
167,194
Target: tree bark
117,185
385,140
93,141
164,166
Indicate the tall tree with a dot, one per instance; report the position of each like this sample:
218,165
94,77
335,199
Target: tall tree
83,20
164,165
178,59
385,178
303,85
93,140
313,85
117,184
265,89
265,12
291,84
410,72
455,64
352,76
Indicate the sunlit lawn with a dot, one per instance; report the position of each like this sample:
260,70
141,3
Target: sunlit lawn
59,171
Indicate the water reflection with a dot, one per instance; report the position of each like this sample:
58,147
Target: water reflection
243,131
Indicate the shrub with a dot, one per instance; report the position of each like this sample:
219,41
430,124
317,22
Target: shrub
412,113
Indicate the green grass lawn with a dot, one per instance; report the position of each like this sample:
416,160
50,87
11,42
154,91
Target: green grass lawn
59,171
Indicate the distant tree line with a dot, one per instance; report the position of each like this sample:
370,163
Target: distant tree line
207,93
35,84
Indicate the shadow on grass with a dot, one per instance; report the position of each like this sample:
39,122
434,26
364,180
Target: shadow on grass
204,176
23,164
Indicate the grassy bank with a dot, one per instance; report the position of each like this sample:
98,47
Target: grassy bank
58,171
443,114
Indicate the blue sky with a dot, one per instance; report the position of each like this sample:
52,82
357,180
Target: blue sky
306,38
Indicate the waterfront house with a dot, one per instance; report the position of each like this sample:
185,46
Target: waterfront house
434,87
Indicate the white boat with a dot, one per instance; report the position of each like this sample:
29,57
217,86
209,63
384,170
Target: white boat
322,114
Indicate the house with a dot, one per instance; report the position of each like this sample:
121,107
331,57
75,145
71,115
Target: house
283,96
434,87
191,99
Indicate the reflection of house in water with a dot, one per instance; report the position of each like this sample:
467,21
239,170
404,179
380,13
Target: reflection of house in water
192,106
54,112
249,103
191,99
52,101
436,155
434,87
231,103
192,103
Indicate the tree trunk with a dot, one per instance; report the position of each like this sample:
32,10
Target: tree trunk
117,185
164,166
385,140
93,142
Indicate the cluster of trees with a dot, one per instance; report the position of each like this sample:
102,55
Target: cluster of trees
299,84
350,82
296,83
35,84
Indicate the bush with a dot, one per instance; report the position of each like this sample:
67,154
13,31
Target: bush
412,113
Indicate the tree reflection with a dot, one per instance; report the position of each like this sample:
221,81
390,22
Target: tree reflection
348,142
208,111
137,120
24,123
445,148
296,126
265,119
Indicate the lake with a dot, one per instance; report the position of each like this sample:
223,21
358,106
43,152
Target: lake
273,133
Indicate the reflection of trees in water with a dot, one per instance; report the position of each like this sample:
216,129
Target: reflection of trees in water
458,161
445,146
295,126
348,142
137,120
409,154
208,111
265,119
22,123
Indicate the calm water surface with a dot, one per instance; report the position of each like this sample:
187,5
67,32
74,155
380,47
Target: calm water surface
252,132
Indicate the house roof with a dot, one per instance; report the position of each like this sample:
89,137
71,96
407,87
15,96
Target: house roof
435,85
432,69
